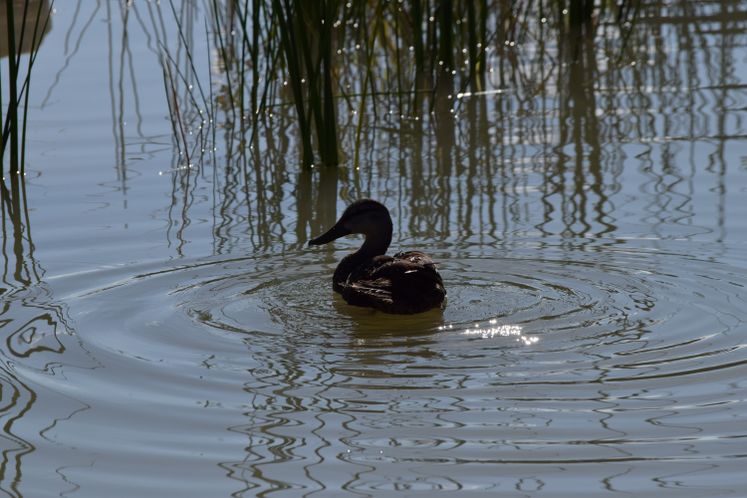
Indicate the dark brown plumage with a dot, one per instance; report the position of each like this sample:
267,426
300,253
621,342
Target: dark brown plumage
407,282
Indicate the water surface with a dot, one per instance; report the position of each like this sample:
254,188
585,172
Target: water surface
168,333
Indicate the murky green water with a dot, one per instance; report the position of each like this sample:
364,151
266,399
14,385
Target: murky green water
168,333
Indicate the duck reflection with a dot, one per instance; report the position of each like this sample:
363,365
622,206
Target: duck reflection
372,324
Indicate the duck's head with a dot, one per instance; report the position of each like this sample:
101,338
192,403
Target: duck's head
366,216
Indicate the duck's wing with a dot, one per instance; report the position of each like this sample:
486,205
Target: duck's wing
372,293
405,283
364,288
417,271
415,257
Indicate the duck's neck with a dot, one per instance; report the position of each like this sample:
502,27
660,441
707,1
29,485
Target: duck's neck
376,244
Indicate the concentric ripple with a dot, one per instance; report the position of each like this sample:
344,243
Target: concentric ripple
608,365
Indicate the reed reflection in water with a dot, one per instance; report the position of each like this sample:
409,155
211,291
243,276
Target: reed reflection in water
37,337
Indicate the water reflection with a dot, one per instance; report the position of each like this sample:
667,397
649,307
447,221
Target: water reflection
19,267
72,46
593,338
306,394
34,327
368,402
25,333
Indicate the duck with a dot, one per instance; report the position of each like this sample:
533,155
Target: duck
405,283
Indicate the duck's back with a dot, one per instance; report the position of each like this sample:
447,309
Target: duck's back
407,282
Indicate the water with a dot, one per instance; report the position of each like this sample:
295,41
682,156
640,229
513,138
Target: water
166,334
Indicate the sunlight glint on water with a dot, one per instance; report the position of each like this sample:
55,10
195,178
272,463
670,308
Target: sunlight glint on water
490,331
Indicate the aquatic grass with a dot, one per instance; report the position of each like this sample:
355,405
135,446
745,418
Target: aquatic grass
291,49
14,122
14,104
177,123
368,78
332,60
528,101
305,30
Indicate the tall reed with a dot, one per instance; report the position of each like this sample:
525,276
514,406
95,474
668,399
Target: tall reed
341,63
33,19
539,73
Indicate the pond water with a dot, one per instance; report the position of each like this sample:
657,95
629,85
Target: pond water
168,333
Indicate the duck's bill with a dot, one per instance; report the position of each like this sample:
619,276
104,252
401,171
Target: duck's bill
333,233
